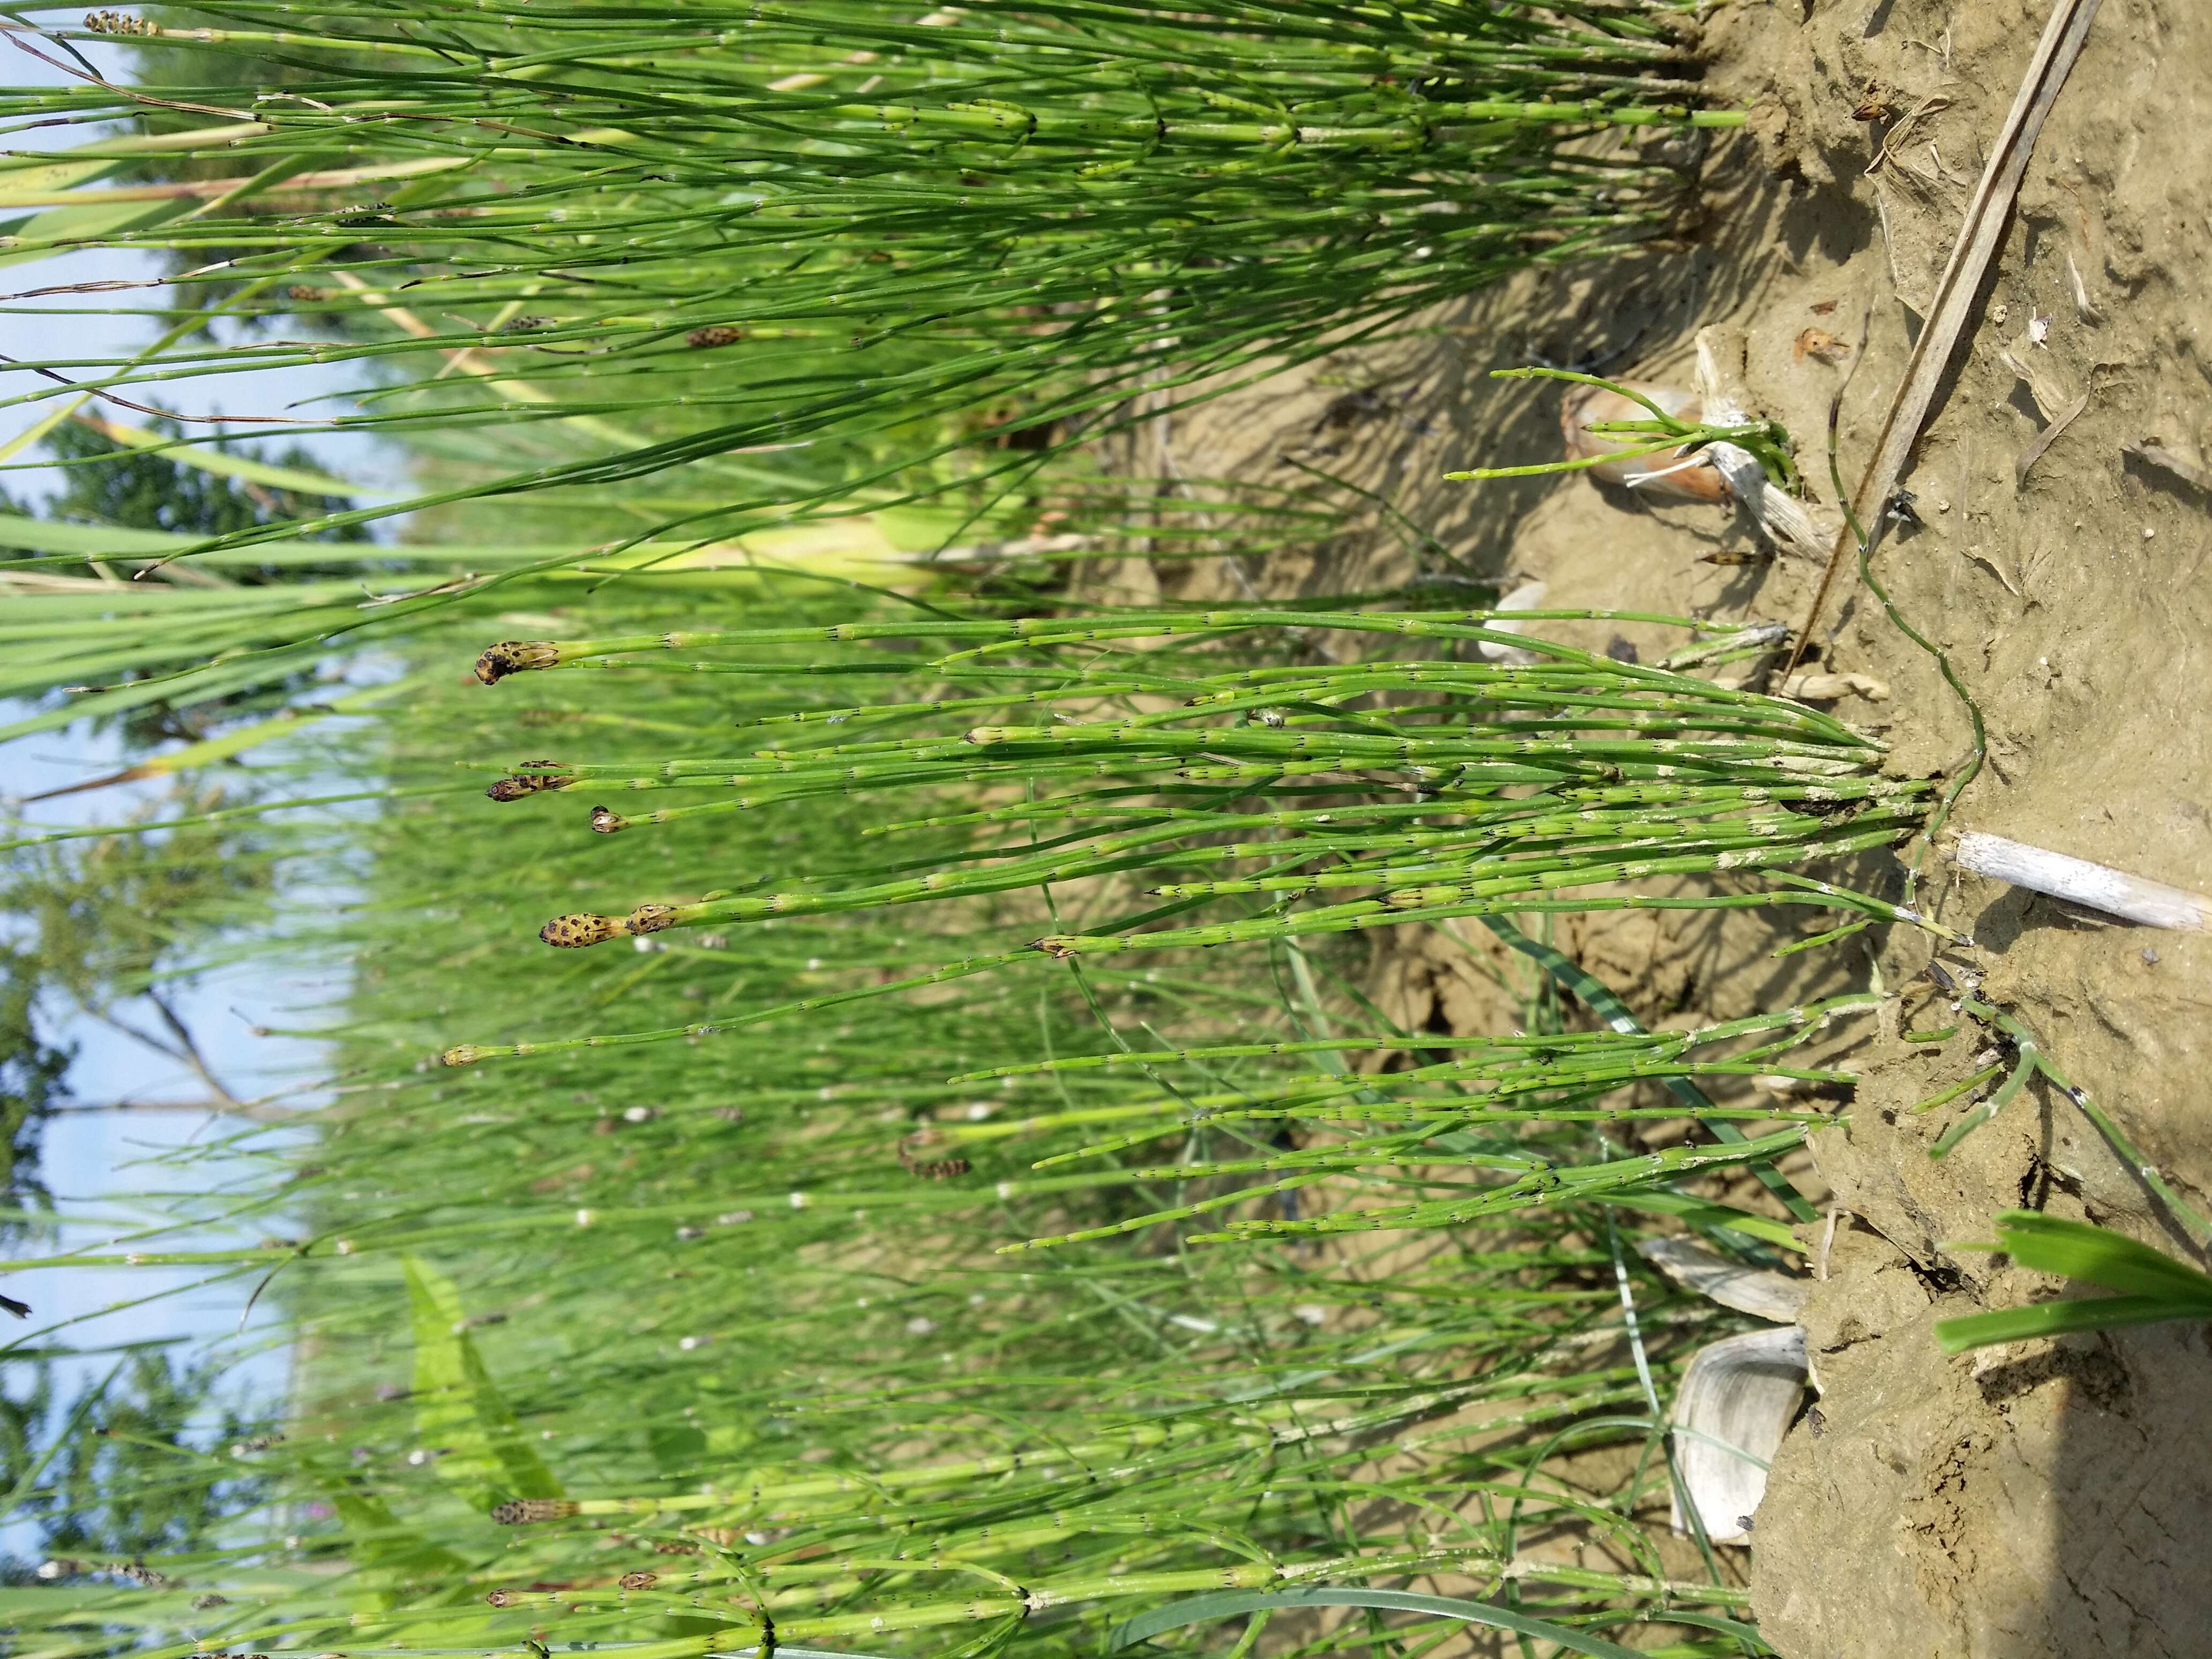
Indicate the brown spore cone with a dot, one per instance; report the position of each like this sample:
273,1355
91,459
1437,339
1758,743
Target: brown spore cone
522,1511
578,928
514,656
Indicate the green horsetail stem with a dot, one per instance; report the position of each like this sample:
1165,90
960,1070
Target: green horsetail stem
998,219
1791,1020
671,1590
1537,787
1100,1462
510,657
1016,1602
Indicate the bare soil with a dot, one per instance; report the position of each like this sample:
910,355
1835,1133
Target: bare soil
2047,1499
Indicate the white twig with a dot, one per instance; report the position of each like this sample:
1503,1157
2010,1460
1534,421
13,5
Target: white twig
2099,886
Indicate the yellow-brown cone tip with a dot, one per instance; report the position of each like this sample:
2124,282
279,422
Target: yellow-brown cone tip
521,1511
571,932
514,656
465,1053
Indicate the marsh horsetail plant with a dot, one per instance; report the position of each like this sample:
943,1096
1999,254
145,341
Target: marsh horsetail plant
841,1295
671,1350
1303,797
1201,779
810,245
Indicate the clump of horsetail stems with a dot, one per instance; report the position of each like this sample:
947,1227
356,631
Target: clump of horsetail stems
1000,214
742,1371
1366,793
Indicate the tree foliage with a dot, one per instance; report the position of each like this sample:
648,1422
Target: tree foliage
151,1462
106,483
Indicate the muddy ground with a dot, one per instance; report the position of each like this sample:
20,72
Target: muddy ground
2052,1497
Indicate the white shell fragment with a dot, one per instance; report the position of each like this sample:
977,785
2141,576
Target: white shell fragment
1717,471
2099,887
1527,597
1736,1401
1757,1291
1667,471
1719,380
1809,687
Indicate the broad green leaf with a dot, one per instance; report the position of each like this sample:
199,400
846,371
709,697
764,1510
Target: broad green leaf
232,744
458,1410
1600,999
2091,1313
389,1557
91,540
2100,1256
221,463
2154,1286
21,178
214,679
39,233
36,432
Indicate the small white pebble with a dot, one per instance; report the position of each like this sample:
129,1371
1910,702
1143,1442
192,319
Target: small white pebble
2148,532
920,1325
1309,1313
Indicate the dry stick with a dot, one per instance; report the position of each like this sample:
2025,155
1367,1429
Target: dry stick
1979,238
146,409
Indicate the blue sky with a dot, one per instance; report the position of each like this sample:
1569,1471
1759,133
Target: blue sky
94,1160
76,327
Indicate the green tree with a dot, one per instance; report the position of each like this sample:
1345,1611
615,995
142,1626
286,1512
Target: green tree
110,926
109,484
101,927
32,1084
152,1461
